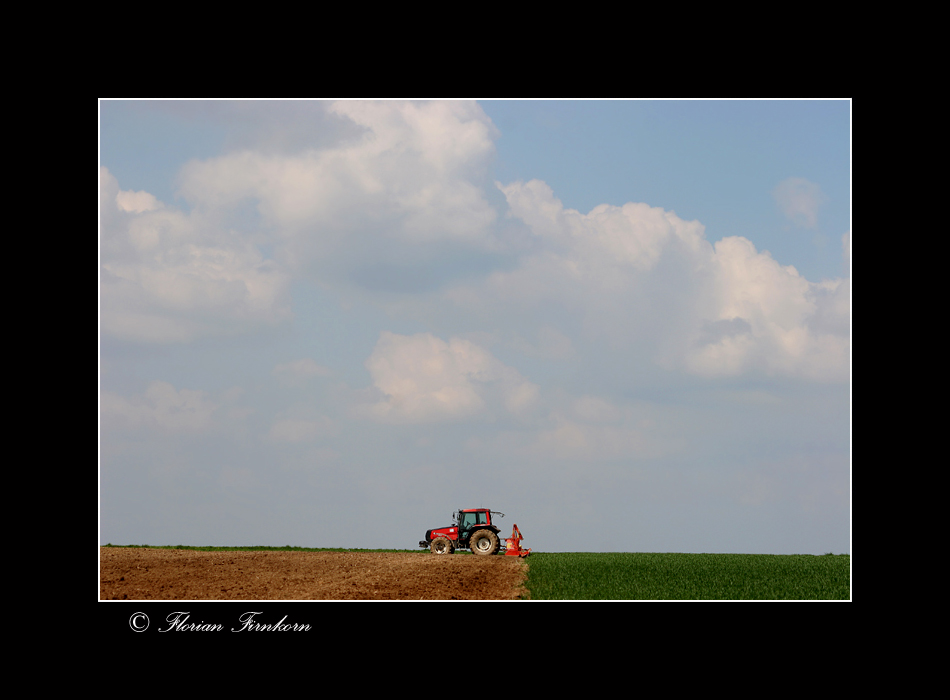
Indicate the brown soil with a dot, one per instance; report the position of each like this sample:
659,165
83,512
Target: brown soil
182,574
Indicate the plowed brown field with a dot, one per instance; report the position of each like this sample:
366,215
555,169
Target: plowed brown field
182,574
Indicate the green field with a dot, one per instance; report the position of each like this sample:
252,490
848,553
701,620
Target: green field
628,576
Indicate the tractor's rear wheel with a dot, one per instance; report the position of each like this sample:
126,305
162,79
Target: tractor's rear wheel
483,542
441,545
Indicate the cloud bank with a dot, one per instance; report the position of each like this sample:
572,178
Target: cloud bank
390,318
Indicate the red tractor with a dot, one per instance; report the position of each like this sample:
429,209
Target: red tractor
473,529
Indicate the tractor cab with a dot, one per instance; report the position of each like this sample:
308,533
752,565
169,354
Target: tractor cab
469,520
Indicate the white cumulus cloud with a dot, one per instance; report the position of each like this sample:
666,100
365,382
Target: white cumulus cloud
412,176
423,378
640,277
763,316
167,276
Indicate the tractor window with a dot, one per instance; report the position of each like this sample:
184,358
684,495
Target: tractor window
469,520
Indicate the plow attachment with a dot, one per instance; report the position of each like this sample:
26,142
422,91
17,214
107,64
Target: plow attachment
513,544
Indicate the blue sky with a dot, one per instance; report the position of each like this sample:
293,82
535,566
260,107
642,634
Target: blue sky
625,324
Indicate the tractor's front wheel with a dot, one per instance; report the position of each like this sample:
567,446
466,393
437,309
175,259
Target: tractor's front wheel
484,542
441,545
